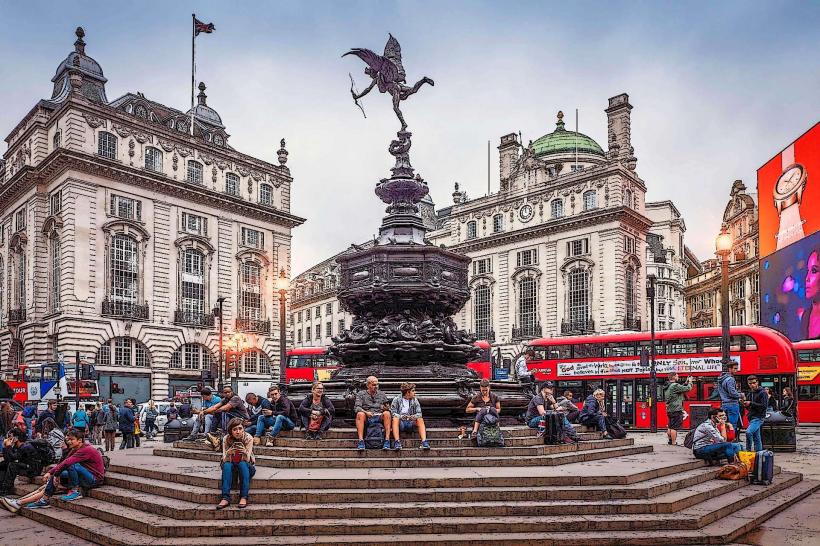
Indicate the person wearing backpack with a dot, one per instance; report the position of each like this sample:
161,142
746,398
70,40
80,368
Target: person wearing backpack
110,426
126,420
80,420
371,409
673,396
482,404
729,395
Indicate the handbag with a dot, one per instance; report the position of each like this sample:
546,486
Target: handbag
733,471
316,424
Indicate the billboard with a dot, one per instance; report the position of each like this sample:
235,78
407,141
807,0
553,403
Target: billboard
790,289
788,189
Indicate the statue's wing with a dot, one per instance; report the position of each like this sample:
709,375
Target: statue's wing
392,52
373,60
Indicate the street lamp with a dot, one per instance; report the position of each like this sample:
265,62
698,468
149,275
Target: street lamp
653,379
239,345
282,285
219,302
723,247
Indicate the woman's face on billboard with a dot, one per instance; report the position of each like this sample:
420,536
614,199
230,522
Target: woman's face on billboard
812,276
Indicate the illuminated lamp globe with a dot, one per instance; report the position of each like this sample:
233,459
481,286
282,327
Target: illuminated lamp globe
282,283
723,243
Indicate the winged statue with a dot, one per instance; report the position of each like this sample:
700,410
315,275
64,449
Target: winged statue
388,74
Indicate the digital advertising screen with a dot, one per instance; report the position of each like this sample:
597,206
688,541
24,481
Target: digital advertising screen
788,189
790,289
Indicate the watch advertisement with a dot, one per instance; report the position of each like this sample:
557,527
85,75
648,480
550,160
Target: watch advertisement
790,289
788,189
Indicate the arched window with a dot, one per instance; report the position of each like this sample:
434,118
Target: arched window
631,298
628,198
123,351
107,145
124,270
153,160
192,286
556,208
578,300
482,312
55,270
232,184
265,194
471,229
192,356
527,306
250,291
590,200
194,172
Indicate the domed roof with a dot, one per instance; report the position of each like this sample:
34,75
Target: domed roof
204,112
563,141
77,59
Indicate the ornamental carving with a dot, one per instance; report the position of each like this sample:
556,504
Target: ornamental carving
166,145
243,171
93,121
184,152
208,159
120,130
258,176
276,182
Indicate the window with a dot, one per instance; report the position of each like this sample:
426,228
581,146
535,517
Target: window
739,289
127,352
307,334
329,309
556,208
107,145
660,290
482,266
232,184
482,312
755,283
153,160
527,257
58,137
250,362
317,312
2,292
628,198
299,335
578,247
192,285
683,346
124,269
631,297
55,269
329,329
55,203
471,229
299,316
319,331
250,295
17,353
125,207
661,309
631,247
253,238
578,298
590,200
527,305
265,194
21,280
194,172
341,325
20,220
498,223
191,223
626,348
739,317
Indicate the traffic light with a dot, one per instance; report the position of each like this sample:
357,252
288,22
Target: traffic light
231,361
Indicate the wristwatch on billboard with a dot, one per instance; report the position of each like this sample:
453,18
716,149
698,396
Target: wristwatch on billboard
788,191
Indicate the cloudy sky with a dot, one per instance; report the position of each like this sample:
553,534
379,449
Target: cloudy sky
718,88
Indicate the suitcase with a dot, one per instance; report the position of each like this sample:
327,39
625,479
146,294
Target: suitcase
763,470
553,428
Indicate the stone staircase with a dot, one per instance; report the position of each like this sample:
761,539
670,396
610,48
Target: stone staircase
325,492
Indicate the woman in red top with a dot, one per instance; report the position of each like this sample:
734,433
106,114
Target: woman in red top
237,456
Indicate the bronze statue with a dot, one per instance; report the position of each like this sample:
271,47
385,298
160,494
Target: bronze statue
386,71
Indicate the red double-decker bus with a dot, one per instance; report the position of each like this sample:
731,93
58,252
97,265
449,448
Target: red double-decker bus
808,380
612,362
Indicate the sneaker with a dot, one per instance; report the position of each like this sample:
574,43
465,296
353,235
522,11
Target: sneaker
360,446
42,503
257,440
268,441
214,440
10,504
72,496
397,445
425,445
386,444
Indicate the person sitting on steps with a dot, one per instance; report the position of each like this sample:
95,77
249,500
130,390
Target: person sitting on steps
201,415
593,413
371,408
406,412
709,442
483,404
317,412
542,403
237,458
256,405
282,415
567,406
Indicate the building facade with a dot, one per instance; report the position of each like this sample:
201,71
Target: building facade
702,290
122,228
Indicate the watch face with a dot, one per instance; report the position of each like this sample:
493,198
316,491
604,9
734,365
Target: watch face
525,213
789,180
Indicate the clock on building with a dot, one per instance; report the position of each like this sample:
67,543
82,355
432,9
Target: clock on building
525,213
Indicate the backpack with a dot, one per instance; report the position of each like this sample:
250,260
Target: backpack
110,424
553,428
106,460
374,436
55,439
99,417
489,436
45,454
689,439
614,428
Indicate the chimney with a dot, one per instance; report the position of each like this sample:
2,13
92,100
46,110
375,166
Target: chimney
507,154
619,133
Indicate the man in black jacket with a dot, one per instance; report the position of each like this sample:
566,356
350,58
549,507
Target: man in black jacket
281,415
756,405
19,457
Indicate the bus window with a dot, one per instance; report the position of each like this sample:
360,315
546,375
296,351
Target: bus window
750,343
627,348
32,375
736,343
559,352
319,362
681,346
300,361
809,392
708,385
586,350
575,387
331,362
711,345
806,355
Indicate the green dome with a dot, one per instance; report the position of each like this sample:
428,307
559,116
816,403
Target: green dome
563,141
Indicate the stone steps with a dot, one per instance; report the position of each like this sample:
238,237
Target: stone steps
437,433
692,518
411,443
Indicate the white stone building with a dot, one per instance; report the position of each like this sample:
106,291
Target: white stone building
119,231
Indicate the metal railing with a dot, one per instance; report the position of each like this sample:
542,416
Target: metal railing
578,326
194,318
526,332
17,316
125,309
253,325
632,323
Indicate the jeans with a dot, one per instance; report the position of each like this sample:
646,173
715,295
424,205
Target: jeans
150,426
127,440
718,451
325,423
196,421
753,435
479,416
534,421
277,423
74,476
598,421
732,410
246,472
568,428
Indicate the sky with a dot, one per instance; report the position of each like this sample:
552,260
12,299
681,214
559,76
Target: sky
718,88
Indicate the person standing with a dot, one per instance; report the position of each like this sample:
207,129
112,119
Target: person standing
151,414
522,370
673,397
787,405
729,395
80,420
110,426
126,424
757,405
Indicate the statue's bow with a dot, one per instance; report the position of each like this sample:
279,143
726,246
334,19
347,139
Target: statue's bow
354,91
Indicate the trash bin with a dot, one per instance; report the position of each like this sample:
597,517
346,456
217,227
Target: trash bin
177,430
779,432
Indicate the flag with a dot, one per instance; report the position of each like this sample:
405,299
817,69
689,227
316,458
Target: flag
199,26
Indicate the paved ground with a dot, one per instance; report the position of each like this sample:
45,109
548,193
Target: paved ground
797,526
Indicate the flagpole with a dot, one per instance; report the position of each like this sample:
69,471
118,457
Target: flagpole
193,67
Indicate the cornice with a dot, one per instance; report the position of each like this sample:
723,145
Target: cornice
62,160
313,298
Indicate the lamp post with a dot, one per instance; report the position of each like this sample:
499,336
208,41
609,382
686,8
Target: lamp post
219,302
723,247
653,379
238,342
282,285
